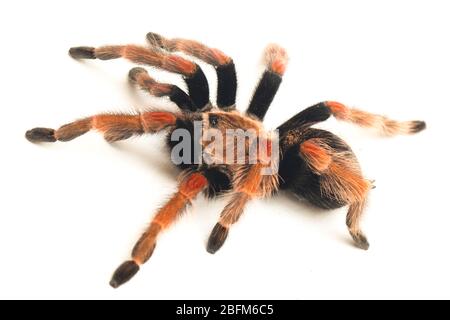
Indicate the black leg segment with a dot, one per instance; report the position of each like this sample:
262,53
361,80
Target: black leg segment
198,88
306,118
226,86
264,94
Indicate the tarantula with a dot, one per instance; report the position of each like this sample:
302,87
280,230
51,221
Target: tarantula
314,164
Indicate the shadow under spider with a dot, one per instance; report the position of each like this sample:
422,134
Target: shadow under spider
148,156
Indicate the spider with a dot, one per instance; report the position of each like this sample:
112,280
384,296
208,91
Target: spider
314,164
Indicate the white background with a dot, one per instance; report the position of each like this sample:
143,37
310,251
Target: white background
71,212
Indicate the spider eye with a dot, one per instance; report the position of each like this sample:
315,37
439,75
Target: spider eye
213,120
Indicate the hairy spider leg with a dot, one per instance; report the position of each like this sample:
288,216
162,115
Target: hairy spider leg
188,189
275,59
113,126
140,77
192,73
224,65
248,187
323,110
340,179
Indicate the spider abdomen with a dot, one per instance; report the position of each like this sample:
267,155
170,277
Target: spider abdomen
319,185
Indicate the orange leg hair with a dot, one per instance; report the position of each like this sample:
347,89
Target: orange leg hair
141,78
341,179
192,74
193,48
138,54
223,64
188,189
275,59
246,189
113,126
382,124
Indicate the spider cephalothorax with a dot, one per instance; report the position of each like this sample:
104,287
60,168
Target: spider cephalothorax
313,164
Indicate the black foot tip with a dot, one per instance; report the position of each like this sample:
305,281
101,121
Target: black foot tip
133,73
40,135
217,238
124,273
361,241
155,39
418,126
82,52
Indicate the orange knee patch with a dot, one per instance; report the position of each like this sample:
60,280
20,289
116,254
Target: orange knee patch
193,184
339,110
278,66
276,59
220,57
180,65
155,121
317,157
